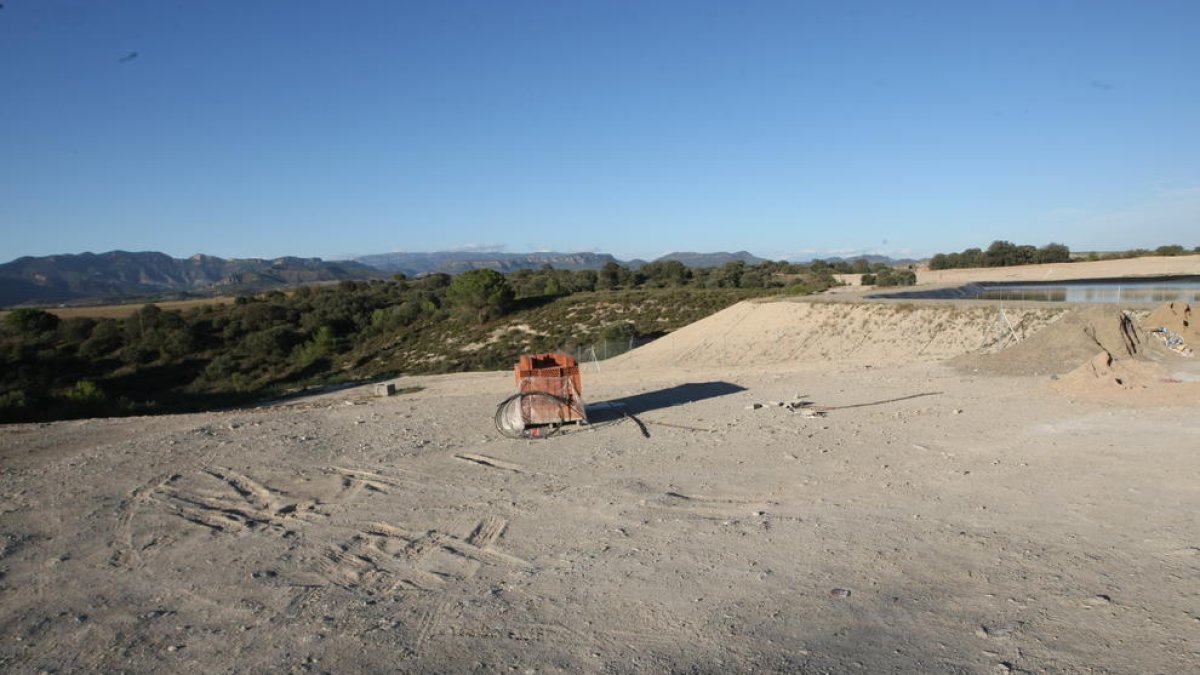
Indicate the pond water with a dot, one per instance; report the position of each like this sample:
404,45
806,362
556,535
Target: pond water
1126,290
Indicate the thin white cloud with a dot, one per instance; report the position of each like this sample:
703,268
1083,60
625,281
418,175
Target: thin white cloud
1064,213
1166,216
478,248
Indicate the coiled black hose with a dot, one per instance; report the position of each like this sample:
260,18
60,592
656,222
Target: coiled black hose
536,432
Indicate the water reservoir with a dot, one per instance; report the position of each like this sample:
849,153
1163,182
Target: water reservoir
1121,290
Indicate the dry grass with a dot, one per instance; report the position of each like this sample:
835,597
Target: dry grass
123,310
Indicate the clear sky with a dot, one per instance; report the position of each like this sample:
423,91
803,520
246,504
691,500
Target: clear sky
251,128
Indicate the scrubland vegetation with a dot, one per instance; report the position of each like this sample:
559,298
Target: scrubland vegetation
1168,250
266,345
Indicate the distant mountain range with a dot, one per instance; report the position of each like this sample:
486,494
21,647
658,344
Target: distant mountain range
119,275
454,262
712,259
872,259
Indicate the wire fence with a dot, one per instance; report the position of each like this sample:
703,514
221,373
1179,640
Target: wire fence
605,349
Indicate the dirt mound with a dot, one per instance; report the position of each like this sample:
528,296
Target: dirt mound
1133,364
1074,338
803,334
1176,316
1174,326
1106,371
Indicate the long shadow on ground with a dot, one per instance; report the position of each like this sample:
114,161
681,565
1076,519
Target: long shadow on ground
606,411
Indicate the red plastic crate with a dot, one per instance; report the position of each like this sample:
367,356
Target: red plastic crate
554,373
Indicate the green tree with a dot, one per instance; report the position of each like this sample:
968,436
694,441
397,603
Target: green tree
1053,253
481,294
665,273
609,277
730,274
28,320
1000,254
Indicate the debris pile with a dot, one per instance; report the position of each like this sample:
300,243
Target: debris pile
1060,347
1174,341
1130,361
799,406
1172,324
1101,351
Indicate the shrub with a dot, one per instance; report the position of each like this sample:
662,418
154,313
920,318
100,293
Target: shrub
86,391
623,330
896,278
27,320
106,338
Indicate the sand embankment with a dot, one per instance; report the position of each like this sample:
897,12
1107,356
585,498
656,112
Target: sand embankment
800,334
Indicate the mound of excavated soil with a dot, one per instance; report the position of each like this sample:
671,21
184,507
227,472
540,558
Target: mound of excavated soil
1174,316
1102,353
1074,338
1102,370
820,334
1156,371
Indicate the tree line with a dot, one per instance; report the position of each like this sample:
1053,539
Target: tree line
1002,254
1005,254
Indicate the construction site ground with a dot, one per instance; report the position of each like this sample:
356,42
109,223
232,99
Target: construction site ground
782,487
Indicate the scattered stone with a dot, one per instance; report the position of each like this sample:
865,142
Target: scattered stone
754,406
958,411
999,631
264,574
154,614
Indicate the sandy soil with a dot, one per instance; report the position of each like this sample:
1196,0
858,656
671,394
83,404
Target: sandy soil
903,516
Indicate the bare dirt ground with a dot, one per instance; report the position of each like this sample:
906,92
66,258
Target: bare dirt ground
903,515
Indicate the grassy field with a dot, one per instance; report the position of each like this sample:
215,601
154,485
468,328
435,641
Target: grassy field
127,309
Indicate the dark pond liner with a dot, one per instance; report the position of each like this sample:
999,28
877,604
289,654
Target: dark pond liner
1173,288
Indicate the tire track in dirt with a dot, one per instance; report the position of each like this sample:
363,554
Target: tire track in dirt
231,502
126,553
386,556
375,557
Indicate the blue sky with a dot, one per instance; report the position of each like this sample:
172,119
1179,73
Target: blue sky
789,129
